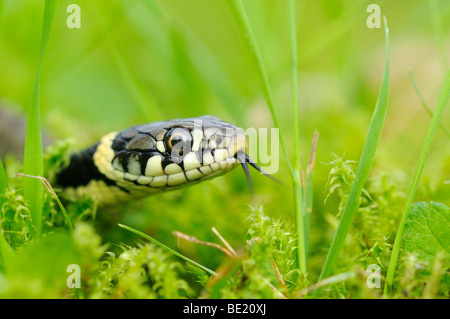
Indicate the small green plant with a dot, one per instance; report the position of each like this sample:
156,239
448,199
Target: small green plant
33,155
364,166
443,99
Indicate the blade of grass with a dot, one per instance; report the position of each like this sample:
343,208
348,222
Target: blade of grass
3,180
193,239
145,102
3,184
6,253
223,240
365,164
52,192
424,103
33,154
307,202
308,191
329,33
297,181
5,249
443,99
170,250
247,35
212,73
245,30
327,281
73,56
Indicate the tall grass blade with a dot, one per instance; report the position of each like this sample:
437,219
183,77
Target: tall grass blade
307,208
211,72
327,281
308,191
170,250
33,153
443,99
297,180
52,192
365,164
424,103
334,30
3,180
144,101
245,30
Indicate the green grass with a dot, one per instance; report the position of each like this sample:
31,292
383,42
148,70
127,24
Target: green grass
33,154
299,206
52,192
245,30
246,33
364,166
145,103
443,99
424,103
5,248
170,250
3,182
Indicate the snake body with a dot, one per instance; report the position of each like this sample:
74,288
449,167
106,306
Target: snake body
154,157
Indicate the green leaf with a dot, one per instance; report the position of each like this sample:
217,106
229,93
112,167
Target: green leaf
170,250
427,231
364,166
33,163
246,32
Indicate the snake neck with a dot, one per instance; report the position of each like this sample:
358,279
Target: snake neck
81,170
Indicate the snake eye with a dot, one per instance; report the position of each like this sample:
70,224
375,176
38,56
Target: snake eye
178,141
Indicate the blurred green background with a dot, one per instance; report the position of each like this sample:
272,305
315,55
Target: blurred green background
137,61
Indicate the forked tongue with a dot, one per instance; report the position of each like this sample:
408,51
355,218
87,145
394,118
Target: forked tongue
244,159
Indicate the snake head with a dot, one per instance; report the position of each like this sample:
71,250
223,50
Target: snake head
163,155
156,157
